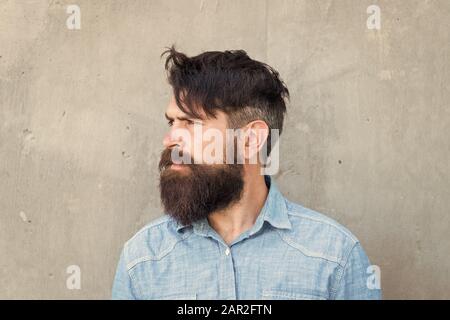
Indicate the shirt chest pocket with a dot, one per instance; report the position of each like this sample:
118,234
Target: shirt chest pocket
276,294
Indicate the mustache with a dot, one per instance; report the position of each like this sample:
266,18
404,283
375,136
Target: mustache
166,158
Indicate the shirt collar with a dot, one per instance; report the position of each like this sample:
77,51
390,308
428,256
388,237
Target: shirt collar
274,211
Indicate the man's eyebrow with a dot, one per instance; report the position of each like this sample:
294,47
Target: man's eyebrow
179,118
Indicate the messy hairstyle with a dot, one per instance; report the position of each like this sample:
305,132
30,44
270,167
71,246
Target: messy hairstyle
230,81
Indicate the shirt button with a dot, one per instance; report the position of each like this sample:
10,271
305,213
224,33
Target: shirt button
227,252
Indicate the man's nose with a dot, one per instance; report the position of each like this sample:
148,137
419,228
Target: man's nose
171,140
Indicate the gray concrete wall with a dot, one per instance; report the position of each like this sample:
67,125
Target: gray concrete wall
81,124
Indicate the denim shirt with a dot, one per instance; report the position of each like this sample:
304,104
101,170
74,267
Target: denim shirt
291,252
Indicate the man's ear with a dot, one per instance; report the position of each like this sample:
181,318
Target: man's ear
256,134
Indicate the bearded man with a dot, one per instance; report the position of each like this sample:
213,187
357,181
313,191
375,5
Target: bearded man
227,231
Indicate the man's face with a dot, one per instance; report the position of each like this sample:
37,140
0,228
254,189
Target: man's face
194,189
190,135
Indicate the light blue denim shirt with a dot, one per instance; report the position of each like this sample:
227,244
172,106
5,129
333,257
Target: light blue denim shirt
291,252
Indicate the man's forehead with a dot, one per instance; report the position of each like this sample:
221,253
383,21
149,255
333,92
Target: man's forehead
173,110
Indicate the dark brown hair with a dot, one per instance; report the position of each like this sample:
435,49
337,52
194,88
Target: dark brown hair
230,81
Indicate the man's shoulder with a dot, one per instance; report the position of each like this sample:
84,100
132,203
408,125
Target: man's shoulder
160,224
152,242
318,235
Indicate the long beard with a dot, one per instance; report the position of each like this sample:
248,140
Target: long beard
195,191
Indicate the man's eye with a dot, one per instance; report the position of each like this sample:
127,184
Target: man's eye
189,122
170,123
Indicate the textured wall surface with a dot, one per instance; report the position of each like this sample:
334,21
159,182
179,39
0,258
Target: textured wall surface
366,140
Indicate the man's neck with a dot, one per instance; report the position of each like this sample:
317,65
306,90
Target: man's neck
239,217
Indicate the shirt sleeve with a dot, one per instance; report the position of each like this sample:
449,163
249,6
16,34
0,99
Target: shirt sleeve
122,287
359,280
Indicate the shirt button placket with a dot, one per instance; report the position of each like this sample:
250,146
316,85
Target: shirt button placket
228,277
